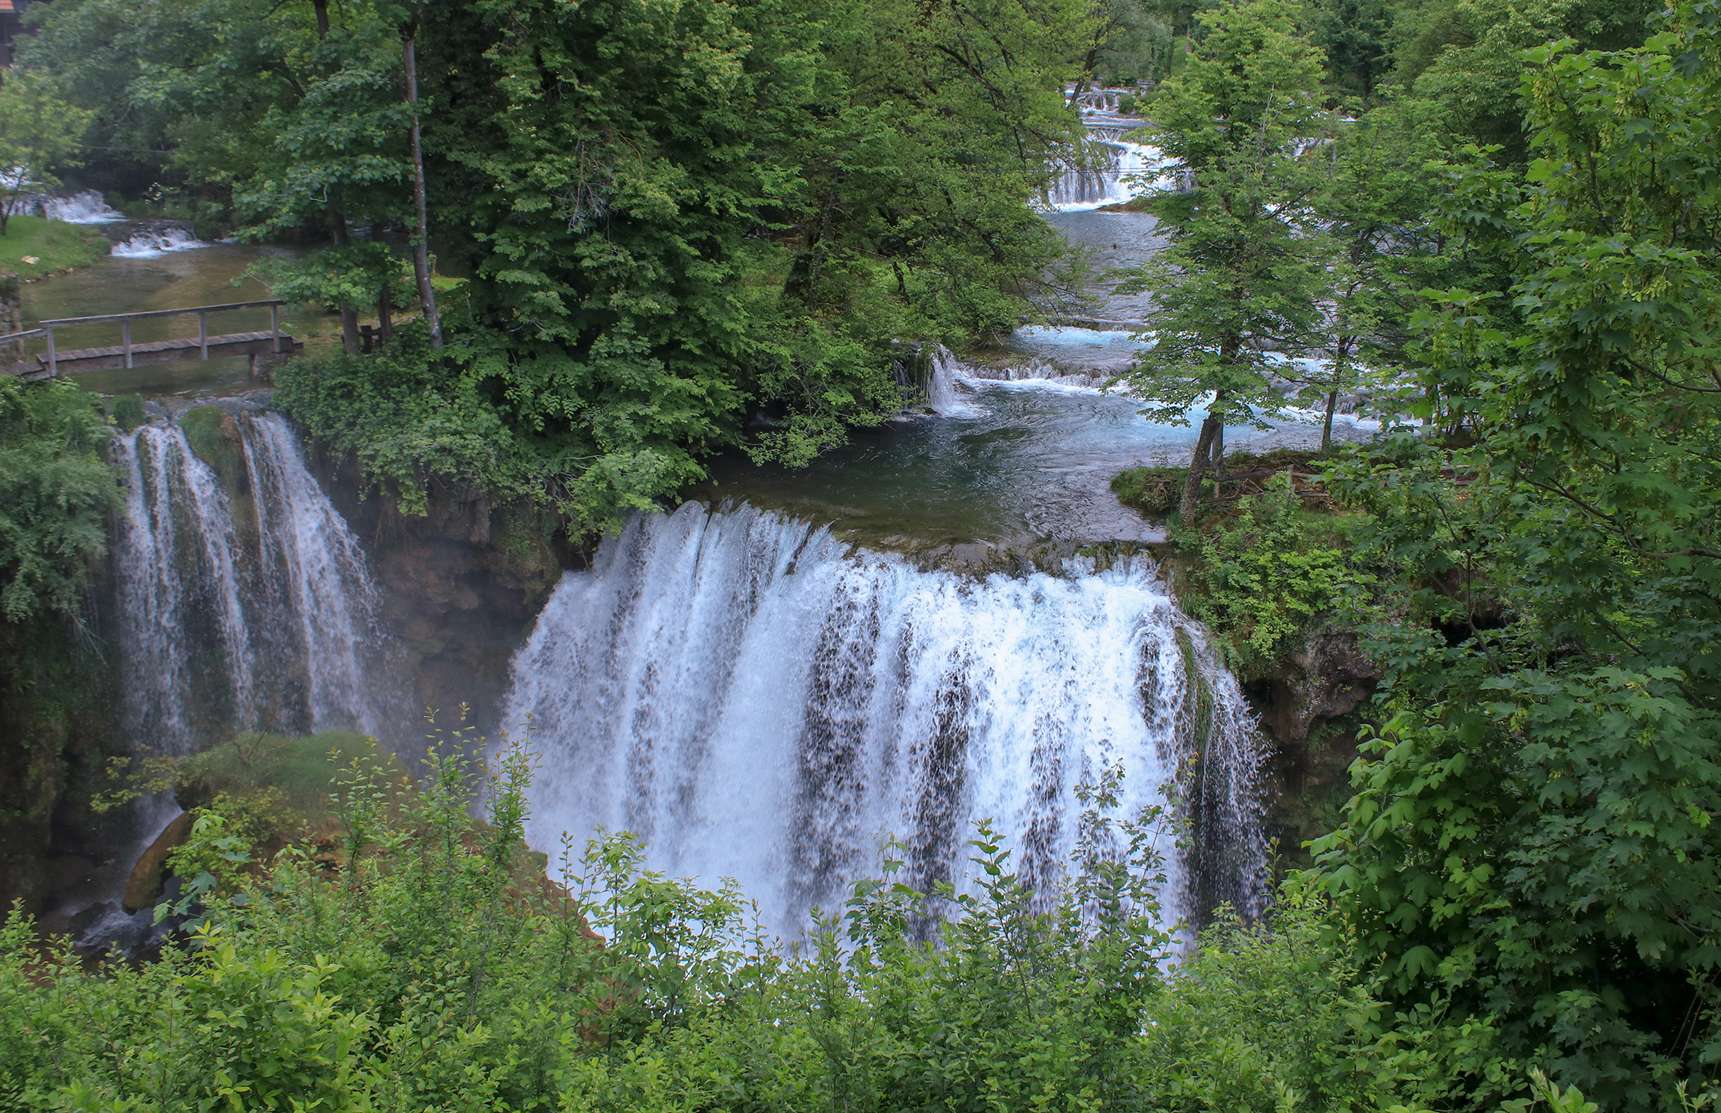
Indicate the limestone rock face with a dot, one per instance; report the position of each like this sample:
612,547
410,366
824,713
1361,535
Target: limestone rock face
149,873
1308,702
1327,677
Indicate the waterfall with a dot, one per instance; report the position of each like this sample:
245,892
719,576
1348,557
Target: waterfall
149,243
942,396
241,606
758,702
176,570
84,207
1114,171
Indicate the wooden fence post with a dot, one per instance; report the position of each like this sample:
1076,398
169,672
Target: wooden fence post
203,335
53,356
125,331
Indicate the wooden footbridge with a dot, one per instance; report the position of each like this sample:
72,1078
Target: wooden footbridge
263,348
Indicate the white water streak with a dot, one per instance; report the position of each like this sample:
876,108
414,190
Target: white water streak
228,625
759,703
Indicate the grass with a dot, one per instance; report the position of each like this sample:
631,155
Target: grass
300,768
54,246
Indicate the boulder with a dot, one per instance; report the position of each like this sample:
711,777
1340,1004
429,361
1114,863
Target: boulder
148,876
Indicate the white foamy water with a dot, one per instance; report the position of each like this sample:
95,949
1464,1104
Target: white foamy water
84,207
1115,170
237,618
758,702
155,242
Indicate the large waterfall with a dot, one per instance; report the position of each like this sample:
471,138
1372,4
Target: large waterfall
758,702
241,605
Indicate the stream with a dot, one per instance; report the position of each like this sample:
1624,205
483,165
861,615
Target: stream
760,684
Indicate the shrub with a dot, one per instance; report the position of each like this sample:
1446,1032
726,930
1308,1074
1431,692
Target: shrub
430,973
1269,573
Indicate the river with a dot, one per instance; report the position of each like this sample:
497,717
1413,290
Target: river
760,685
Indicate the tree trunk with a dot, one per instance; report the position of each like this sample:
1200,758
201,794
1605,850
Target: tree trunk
421,243
1210,428
322,9
350,342
385,314
1327,424
1216,458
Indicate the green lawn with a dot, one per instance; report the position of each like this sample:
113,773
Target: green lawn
52,244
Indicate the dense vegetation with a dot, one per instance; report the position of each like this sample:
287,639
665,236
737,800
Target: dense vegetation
688,226
425,975
693,224
1527,850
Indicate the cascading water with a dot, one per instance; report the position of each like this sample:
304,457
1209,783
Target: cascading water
757,702
176,572
231,618
1114,171
149,243
942,395
84,207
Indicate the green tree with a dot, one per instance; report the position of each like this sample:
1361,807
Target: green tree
1531,843
1355,34
40,133
1467,55
1238,279
291,115
1375,201
56,489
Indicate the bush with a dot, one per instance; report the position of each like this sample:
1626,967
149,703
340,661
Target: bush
1152,491
1267,574
56,489
428,973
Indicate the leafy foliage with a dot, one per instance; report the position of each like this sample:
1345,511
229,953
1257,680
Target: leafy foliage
1269,573
56,489
428,974
1237,280
1531,838
40,133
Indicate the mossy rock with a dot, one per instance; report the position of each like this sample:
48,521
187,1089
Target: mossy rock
1154,492
127,411
214,436
301,769
525,537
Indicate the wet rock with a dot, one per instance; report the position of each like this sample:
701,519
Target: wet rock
149,874
1311,702
1325,678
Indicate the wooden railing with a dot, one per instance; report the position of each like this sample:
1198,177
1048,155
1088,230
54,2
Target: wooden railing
47,327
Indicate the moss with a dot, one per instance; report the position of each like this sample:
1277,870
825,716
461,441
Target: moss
55,708
300,769
1151,491
1201,718
36,247
214,438
525,537
127,411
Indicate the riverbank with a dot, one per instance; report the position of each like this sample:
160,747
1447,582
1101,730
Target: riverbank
1269,566
35,247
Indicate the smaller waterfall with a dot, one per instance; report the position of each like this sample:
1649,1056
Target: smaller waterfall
1114,171
942,394
260,615
84,207
150,243
317,573
177,574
